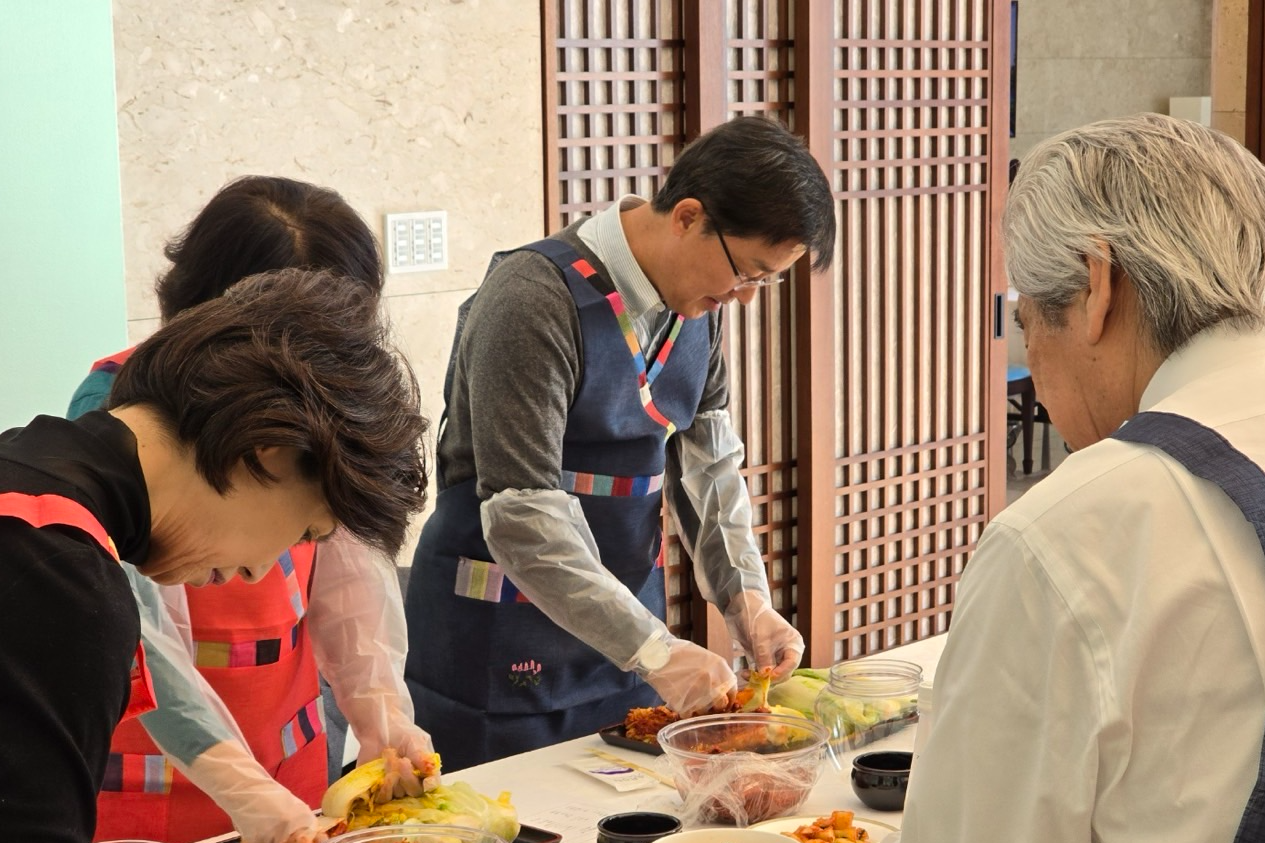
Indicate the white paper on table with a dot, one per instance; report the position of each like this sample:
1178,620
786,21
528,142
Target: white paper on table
618,776
575,821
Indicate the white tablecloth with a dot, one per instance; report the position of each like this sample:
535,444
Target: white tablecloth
553,796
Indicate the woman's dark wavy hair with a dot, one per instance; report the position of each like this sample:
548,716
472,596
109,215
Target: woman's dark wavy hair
261,223
756,179
293,358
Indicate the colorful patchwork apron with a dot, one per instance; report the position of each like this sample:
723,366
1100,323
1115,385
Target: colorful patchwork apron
1206,454
251,648
490,674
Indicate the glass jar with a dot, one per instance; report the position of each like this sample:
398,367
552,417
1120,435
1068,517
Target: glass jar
864,701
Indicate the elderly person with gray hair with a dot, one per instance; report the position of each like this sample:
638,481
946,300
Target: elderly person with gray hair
1103,676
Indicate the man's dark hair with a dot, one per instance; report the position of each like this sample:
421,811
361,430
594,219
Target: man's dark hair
261,223
756,179
292,358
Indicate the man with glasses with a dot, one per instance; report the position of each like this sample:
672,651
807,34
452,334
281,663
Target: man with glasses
587,380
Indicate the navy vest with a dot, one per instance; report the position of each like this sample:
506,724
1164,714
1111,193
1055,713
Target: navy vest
500,655
1206,454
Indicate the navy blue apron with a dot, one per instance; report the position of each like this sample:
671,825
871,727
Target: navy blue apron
1206,454
490,674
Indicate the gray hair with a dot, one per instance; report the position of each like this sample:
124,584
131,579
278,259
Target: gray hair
1181,207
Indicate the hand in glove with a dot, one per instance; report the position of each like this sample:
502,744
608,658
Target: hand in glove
763,634
689,678
401,778
414,743
307,836
262,810
392,735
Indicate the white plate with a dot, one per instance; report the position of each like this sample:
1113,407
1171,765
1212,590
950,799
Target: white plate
877,828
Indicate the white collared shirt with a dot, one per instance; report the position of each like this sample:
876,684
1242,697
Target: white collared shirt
604,234
1102,679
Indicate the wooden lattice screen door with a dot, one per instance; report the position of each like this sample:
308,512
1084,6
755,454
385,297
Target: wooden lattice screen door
871,398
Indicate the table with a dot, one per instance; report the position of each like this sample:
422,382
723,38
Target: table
550,794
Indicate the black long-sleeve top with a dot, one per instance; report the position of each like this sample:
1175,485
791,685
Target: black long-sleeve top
68,623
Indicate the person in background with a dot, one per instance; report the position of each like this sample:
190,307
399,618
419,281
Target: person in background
240,667
587,377
1103,675
271,416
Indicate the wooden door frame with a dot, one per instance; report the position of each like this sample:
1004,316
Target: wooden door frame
814,349
1254,129
999,181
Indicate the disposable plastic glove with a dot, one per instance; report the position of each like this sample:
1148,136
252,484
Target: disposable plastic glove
399,734
356,620
401,778
413,744
262,810
301,837
763,634
689,678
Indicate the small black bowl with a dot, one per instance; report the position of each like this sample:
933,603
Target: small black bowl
880,779
636,827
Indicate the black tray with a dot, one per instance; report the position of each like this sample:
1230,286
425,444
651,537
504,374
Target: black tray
616,736
879,730
531,834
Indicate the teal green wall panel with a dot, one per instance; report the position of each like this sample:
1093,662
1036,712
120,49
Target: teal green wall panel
61,231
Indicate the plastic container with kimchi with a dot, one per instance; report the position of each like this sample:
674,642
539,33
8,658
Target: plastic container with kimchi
743,767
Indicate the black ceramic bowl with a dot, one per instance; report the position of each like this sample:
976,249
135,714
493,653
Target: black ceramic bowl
636,827
880,779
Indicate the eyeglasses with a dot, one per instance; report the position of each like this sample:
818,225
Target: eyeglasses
746,282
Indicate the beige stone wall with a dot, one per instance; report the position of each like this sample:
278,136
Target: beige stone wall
1229,67
1086,60
400,105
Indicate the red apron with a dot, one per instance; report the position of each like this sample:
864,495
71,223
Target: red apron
53,510
251,646
114,362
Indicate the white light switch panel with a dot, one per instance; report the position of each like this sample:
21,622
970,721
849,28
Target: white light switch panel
417,241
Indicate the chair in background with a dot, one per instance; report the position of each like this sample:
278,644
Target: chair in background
1025,412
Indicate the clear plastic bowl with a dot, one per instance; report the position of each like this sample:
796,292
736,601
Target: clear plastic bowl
744,767
418,833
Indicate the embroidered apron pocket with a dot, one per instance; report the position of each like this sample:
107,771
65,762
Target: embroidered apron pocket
123,815
134,797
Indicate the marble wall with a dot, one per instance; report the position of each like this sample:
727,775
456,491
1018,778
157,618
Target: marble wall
1086,60
400,105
